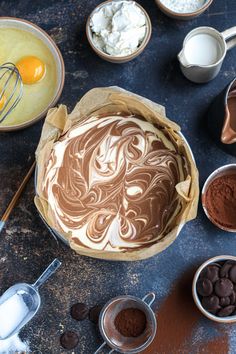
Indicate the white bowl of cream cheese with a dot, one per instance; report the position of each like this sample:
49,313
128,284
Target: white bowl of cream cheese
118,30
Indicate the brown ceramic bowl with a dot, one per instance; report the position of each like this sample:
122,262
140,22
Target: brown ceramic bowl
119,59
229,319
12,22
182,16
221,171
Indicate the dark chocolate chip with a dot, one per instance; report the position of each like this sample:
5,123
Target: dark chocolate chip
211,272
79,311
211,303
225,301
94,313
223,287
232,274
226,311
204,287
232,298
224,272
69,340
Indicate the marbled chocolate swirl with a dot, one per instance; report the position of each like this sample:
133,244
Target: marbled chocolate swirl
110,182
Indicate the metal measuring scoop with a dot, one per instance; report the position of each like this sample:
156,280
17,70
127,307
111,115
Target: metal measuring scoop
30,296
11,89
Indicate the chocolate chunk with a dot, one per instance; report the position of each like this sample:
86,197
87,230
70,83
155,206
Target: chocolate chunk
211,272
232,274
225,301
94,313
211,303
224,272
226,311
223,287
79,311
69,340
204,287
232,298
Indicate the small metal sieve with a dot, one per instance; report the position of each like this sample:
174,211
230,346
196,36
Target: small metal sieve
112,338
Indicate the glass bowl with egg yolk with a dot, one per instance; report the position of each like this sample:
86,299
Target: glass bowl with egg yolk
37,68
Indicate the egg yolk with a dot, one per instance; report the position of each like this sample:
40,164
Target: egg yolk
2,101
31,69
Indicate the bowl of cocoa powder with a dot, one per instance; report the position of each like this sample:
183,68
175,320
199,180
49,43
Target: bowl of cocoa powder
214,289
219,197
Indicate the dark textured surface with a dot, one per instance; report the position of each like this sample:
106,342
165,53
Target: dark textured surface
26,247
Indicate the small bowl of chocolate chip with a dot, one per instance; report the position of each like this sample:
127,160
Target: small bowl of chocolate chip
214,289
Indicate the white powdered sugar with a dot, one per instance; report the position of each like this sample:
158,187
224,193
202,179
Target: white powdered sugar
184,6
12,313
13,345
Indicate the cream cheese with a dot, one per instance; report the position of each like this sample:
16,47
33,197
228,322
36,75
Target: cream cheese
118,28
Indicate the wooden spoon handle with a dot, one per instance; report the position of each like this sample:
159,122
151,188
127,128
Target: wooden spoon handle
16,196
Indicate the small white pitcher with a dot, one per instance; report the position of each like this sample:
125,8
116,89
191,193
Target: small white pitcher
203,52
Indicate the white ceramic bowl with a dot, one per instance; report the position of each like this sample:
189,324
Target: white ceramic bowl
112,58
11,22
229,319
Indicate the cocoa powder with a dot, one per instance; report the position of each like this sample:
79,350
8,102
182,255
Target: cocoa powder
177,322
130,322
220,200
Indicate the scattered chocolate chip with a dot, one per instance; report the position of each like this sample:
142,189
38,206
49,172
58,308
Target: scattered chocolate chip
232,298
79,311
211,272
232,274
69,340
94,313
204,287
226,311
211,303
224,272
225,301
223,287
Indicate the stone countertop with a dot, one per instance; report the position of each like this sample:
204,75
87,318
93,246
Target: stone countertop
26,246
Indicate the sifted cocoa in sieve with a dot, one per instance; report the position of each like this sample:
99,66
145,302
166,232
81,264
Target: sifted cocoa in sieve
130,322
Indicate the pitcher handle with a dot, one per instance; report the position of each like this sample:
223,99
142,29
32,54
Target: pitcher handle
227,35
102,346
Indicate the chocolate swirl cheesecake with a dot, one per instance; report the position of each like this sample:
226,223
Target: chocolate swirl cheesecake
110,183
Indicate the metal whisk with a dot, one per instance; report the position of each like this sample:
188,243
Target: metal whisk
11,89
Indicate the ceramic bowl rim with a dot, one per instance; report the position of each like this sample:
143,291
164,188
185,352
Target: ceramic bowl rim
185,14
61,77
228,319
210,178
119,59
